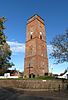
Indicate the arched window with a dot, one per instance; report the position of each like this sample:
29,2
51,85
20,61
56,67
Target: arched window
31,36
40,36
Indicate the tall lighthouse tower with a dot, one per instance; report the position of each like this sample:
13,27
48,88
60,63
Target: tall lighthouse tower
36,60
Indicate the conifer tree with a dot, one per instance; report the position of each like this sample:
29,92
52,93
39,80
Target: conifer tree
5,52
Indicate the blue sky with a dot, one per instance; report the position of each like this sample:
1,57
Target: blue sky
55,15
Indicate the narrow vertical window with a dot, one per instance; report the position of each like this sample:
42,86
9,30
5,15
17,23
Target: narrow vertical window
40,36
31,36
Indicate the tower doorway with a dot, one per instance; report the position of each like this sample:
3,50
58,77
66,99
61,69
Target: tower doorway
32,76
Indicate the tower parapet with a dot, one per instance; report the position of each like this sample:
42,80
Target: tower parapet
35,17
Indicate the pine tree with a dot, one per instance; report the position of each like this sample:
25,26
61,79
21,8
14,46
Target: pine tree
5,52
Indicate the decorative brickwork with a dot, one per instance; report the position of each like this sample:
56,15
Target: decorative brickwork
36,60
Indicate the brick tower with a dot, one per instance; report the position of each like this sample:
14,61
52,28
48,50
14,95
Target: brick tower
36,60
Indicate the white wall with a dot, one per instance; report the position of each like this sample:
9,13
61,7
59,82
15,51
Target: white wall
7,75
64,76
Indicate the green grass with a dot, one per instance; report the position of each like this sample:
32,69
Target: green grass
10,78
41,78
46,77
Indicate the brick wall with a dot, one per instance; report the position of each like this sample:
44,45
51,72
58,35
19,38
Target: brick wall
36,59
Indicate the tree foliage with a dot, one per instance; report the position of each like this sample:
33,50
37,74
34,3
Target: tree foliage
5,52
60,48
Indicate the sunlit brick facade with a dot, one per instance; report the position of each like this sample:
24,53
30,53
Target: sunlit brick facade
36,60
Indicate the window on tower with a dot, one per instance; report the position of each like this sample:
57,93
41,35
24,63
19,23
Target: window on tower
31,36
40,36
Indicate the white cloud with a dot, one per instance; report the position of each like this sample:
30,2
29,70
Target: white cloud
16,47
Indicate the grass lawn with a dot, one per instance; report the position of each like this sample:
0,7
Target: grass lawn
41,78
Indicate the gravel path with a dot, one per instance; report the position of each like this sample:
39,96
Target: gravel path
17,94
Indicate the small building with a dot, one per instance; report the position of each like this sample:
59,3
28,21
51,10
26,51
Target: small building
12,72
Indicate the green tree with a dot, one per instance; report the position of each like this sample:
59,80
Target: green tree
5,52
60,48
